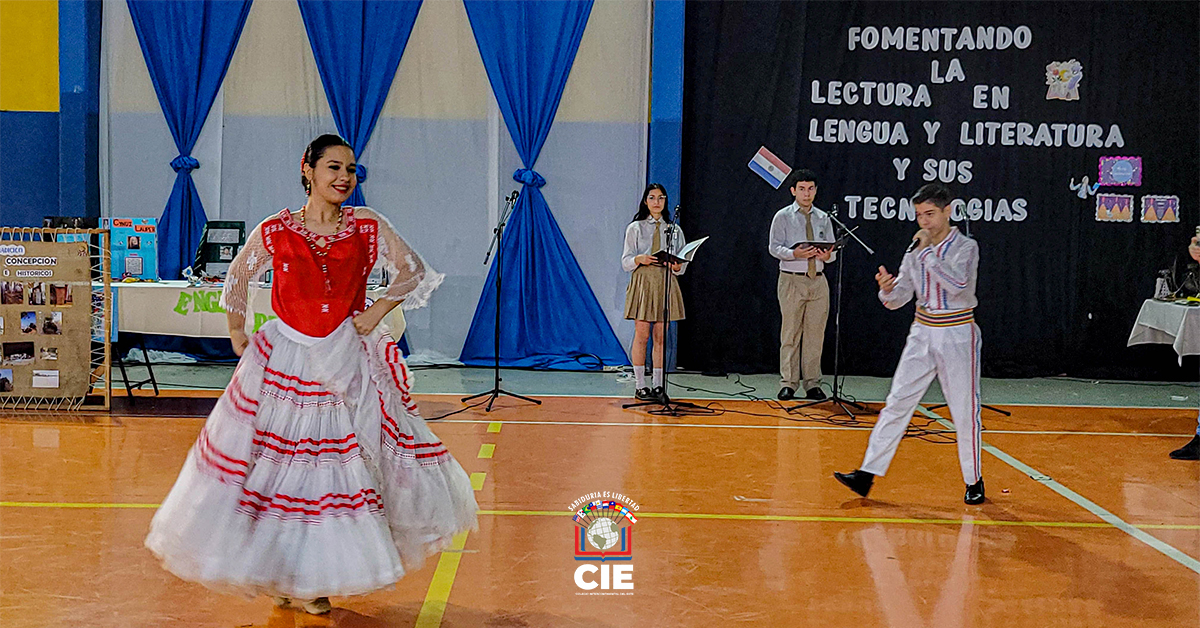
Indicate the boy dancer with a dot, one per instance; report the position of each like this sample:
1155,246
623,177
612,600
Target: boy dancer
939,269
1191,451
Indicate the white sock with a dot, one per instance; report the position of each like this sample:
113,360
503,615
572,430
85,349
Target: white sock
639,376
658,377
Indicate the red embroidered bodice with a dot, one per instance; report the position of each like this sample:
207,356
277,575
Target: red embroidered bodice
315,288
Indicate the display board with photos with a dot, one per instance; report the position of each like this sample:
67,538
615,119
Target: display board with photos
45,319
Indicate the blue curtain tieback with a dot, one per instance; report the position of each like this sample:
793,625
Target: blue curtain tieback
529,177
186,163
360,172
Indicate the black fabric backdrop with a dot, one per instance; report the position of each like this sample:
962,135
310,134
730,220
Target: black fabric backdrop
1059,291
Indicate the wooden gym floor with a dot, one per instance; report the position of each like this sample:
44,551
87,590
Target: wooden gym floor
1088,523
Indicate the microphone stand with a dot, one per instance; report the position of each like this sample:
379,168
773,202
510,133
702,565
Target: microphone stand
982,406
668,407
837,398
497,233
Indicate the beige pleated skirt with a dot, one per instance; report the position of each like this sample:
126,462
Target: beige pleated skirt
644,296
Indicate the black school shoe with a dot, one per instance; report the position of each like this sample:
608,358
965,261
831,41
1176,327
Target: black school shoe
644,394
1190,451
974,494
660,395
858,481
787,393
815,394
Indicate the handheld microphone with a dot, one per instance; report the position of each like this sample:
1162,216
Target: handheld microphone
912,247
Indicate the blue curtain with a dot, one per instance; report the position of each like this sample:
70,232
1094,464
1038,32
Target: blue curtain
550,316
187,46
358,45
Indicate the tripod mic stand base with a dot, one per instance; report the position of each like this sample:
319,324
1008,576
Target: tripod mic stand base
666,406
495,394
835,399
982,406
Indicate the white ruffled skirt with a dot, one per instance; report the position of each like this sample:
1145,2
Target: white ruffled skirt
314,475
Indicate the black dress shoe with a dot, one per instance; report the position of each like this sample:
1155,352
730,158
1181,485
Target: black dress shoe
815,394
1190,451
643,394
974,494
659,395
787,393
858,481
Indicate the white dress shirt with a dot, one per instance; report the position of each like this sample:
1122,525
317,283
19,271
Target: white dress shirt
788,228
941,277
639,236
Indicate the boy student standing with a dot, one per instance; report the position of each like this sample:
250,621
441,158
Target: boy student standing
802,289
940,270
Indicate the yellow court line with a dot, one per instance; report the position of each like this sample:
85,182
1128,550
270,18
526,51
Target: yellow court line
818,519
486,450
439,588
477,480
494,427
709,516
72,505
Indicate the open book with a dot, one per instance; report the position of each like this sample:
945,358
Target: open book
824,246
685,254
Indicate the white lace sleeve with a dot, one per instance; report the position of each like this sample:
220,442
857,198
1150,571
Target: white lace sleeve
412,280
252,261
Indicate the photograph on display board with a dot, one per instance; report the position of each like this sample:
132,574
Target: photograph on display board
17,353
6,380
49,353
45,379
52,325
28,322
60,295
37,293
12,293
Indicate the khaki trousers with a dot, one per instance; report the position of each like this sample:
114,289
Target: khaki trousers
804,304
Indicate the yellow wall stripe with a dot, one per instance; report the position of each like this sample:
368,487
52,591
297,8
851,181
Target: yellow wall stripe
29,55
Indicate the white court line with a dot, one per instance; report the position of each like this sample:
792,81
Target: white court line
732,396
1166,549
793,427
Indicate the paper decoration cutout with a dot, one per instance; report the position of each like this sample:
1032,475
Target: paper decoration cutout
1114,208
1120,171
1160,208
1084,189
1063,77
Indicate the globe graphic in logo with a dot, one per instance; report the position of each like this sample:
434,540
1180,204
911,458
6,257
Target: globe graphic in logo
603,534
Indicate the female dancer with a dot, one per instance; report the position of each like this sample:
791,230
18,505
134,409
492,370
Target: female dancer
314,475
645,236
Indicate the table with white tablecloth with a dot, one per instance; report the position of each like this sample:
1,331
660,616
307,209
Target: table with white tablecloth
1176,324
174,308
1168,323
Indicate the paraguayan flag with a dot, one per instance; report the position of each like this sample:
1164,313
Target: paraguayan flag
770,167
